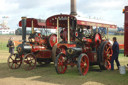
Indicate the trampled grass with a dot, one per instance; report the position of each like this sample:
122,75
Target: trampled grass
47,74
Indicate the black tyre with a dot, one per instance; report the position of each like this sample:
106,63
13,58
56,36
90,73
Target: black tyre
104,54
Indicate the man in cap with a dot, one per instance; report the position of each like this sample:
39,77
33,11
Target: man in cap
11,45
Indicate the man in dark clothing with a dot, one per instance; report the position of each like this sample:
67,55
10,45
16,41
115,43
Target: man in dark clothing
11,45
115,49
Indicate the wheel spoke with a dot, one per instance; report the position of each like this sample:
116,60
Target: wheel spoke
83,65
61,67
60,64
11,58
107,50
32,59
110,55
12,65
82,61
15,65
29,62
9,62
14,62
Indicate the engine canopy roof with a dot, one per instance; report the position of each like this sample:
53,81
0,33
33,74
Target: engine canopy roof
37,23
52,21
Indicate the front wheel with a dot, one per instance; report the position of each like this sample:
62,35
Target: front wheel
14,61
83,64
60,64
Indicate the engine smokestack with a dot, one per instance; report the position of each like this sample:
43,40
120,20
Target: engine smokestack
73,8
23,29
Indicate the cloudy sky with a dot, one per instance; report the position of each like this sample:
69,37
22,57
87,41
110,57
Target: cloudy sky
108,10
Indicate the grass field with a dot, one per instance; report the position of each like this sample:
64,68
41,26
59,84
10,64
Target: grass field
120,38
46,74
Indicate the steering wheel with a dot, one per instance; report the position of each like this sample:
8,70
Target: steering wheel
82,34
86,33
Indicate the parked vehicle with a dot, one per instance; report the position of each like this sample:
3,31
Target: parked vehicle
79,45
38,48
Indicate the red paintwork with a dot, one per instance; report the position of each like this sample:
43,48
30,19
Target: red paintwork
107,55
44,54
121,46
59,45
98,38
40,41
42,51
38,48
51,22
52,40
87,23
40,45
92,56
36,23
89,44
87,40
126,32
76,34
84,69
61,65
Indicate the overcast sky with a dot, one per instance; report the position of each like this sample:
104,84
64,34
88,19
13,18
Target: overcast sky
108,10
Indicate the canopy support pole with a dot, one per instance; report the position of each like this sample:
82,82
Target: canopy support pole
68,30
96,29
107,33
57,30
32,27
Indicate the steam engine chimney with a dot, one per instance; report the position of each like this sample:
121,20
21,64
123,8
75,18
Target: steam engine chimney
73,8
24,29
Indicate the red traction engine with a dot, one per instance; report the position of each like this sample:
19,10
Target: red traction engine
78,46
38,48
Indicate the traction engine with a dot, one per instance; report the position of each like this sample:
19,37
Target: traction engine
79,45
36,49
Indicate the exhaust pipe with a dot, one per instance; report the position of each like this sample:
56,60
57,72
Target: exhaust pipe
23,29
73,8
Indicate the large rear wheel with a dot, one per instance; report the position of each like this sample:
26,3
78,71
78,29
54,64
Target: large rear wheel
83,64
60,63
29,61
105,54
